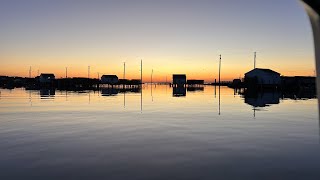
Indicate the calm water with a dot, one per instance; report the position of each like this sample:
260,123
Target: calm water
159,135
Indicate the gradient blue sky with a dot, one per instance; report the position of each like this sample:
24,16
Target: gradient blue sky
176,36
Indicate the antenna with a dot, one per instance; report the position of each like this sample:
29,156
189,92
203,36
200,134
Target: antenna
151,75
219,68
30,72
88,72
124,70
254,63
141,72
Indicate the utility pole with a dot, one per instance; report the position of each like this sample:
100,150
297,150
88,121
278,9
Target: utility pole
38,73
219,68
141,72
30,72
254,63
66,72
98,75
88,72
124,70
151,76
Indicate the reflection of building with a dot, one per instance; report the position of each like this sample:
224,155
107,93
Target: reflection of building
47,92
109,92
178,91
195,88
109,79
261,99
179,79
262,77
46,78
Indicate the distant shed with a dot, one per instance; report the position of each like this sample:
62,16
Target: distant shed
195,82
109,79
46,78
179,79
263,77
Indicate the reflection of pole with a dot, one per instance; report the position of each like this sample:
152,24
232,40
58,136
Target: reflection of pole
215,88
219,99
89,98
141,88
219,68
151,93
30,98
124,99
141,100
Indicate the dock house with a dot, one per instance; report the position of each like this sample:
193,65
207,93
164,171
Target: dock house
109,79
262,78
46,78
179,79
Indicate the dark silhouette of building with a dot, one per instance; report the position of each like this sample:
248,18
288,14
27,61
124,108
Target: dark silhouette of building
298,83
193,82
46,78
109,79
262,78
179,79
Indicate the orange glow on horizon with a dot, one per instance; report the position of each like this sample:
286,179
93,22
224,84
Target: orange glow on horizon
206,69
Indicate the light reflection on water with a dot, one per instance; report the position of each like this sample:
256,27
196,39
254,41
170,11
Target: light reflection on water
159,133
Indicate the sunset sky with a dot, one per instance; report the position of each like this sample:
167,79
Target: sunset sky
170,36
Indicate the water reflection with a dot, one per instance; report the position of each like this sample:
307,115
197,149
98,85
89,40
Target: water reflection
77,135
195,88
179,91
261,99
47,93
219,100
267,98
257,99
115,91
109,92
141,101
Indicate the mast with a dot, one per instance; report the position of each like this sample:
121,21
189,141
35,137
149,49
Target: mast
254,62
124,70
151,75
30,72
219,68
88,72
141,71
